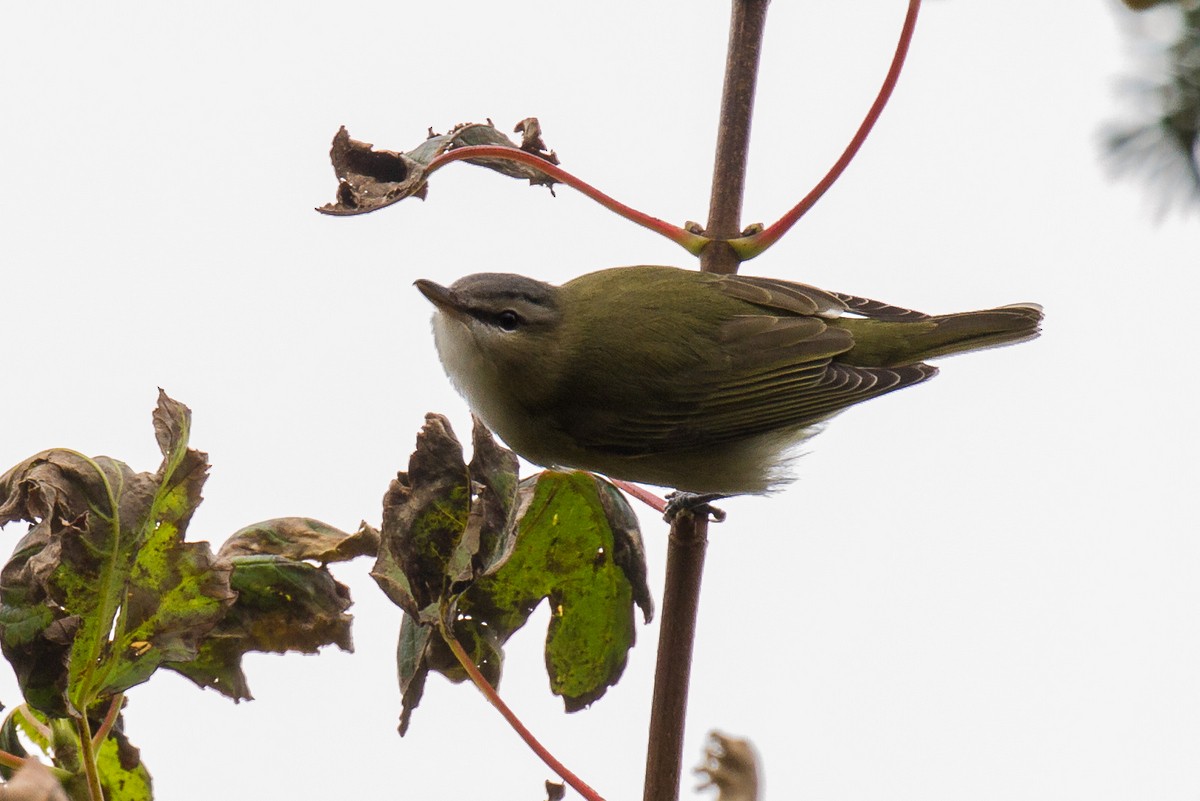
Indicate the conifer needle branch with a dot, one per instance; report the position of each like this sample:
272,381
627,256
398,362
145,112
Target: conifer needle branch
692,243
489,692
747,247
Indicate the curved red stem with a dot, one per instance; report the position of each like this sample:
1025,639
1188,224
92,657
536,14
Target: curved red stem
489,692
747,247
692,243
110,717
641,493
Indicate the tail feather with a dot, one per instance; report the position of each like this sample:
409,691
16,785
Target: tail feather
979,330
896,342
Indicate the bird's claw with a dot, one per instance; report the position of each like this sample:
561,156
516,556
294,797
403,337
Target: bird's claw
694,504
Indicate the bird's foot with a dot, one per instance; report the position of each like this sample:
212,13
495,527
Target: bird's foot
694,504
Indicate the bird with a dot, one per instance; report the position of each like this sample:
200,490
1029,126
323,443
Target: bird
696,381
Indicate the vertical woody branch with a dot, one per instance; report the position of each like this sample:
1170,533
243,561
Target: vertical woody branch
689,534
733,134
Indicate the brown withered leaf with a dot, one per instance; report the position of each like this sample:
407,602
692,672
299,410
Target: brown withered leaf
731,765
444,524
487,537
370,179
425,512
300,539
469,134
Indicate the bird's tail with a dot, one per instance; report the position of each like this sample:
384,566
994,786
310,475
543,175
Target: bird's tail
979,330
892,337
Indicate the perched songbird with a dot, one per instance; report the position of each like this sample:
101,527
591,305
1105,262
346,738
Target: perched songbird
679,378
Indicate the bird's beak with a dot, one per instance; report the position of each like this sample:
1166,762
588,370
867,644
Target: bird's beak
445,299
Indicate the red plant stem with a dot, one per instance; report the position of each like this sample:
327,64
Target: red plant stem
493,697
11,760
110,717
641,493
748,247
692,243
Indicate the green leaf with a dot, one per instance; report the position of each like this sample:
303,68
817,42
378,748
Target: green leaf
457,540
103,589
122,774
15,723
282,605
567,551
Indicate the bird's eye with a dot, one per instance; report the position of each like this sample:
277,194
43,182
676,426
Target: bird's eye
508,320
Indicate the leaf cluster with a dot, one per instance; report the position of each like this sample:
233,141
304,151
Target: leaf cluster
104,589
468,554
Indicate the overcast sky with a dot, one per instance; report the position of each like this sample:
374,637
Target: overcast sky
984,587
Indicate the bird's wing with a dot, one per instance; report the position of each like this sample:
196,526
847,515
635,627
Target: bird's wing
793,298
735,415
765,373
878,310
782,296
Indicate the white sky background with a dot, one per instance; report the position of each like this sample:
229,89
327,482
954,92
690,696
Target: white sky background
985,587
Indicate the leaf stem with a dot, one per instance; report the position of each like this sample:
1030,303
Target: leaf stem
641,493
29,719
748,247
11,760
80,687
494,699
692,243
110,717
90,769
